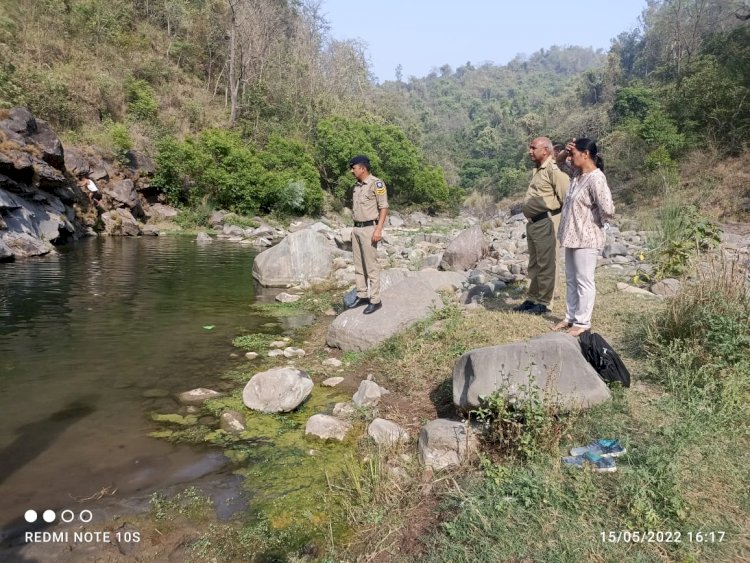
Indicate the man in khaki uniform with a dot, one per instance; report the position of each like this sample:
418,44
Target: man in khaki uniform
542,208
370,210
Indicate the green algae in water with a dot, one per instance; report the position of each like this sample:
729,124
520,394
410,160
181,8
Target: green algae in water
287,474
175,419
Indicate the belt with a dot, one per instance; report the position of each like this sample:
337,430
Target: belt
544,215
365,223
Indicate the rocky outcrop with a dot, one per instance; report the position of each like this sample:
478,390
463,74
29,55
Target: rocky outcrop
36,196
386,433
302,256
404,304
550,365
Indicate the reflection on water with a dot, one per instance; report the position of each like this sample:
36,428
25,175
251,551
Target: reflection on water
84,333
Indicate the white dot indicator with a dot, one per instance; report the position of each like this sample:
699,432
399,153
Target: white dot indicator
30,516
49,516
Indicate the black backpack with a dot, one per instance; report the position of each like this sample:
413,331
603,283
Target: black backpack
603,358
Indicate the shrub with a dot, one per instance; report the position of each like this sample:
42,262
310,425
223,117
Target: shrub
523,425
700,344
141,99
121,141
682,235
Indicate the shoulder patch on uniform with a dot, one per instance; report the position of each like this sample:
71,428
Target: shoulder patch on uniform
380,191
379,184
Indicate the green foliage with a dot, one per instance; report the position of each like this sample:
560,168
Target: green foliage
121,141
683,234
218,166
11,92
524,424
701,344
254,342
395,159
141,99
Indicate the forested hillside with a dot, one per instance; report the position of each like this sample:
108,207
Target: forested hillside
254,106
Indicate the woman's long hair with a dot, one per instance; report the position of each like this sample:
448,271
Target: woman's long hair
583,145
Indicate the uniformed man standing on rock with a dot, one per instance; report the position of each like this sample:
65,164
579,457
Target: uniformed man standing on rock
370,210
542,208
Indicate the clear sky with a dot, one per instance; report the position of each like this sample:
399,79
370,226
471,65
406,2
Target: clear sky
426,34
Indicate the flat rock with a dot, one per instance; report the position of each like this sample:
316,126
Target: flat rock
285,297
332,362
551,363
625,288
332,381
404,304
232,422
327,427
304,255
197,396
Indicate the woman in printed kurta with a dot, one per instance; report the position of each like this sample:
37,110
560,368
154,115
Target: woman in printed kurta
587,207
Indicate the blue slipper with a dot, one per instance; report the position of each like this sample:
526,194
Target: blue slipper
596,462
604,448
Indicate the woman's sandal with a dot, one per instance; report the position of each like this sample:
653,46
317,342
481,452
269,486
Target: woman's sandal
577,331
562,325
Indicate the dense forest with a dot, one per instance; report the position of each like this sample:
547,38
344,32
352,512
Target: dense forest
253,106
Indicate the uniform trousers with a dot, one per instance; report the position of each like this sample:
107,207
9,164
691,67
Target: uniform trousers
541,238
366,267
580,267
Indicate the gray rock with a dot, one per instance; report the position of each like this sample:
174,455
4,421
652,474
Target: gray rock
332,381
441,281
232,422
203,238
625,288
22,245
251,355
616,249
120,222
122,192
403,305
368,393
668,287
465,250
159,212
395,220
292,352
301,256
432,260
445,443
343,410
285,297
197,397
277,390
386,433
332,362
551,363
149,230
327,427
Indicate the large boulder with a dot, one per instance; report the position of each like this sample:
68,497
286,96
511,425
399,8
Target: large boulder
552,364
277,390
442,281
465,250
445,443
403,304
120,222
302,256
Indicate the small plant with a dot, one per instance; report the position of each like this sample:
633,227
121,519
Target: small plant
121,141
683,234
523,423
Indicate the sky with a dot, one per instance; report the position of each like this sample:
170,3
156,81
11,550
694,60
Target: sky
423,35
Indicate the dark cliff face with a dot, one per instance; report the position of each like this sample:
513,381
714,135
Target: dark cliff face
49,195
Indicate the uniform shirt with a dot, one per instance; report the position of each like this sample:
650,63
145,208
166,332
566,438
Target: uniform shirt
370,196
546,190
587,205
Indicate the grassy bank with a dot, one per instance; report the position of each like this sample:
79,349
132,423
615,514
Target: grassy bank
684,423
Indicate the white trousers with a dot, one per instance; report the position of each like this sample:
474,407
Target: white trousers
580,266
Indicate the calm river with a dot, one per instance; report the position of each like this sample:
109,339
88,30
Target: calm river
88,340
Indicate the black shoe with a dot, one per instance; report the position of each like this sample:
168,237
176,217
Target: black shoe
537,309
524,306
359,302
372,307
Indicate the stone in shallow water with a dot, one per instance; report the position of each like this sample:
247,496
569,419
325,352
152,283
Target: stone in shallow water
332,381
197,396
277,390
327,427
232,422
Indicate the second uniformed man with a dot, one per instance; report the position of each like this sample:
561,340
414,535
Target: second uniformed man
541,207
370,208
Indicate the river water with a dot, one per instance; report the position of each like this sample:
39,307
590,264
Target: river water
87,337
